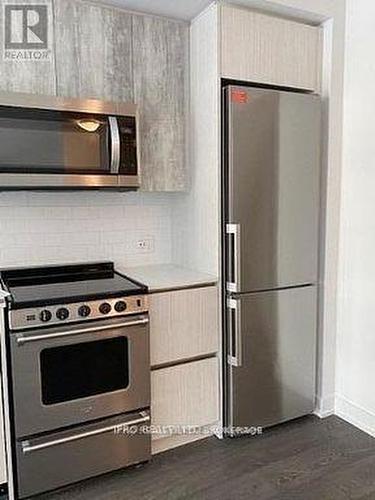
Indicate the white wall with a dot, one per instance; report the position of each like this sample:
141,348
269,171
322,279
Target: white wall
42,228
355,399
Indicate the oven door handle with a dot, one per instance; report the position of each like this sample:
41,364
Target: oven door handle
25,339
28,448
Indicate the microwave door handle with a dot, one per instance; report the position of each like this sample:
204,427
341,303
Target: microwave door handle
115,144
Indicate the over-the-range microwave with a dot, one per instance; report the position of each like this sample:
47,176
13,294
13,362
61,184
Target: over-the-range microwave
59,143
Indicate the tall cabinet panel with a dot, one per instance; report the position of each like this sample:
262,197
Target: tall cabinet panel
93,51
160,52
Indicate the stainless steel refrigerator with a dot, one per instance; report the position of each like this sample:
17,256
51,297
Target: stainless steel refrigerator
271,200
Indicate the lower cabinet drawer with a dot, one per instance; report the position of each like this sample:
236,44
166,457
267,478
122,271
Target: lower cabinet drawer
54,460
183,324
185,395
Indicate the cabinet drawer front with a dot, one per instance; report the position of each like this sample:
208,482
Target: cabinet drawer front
186,395
266,49
183,324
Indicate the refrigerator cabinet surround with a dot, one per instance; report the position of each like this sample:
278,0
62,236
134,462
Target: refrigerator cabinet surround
270,227
272,177
276,379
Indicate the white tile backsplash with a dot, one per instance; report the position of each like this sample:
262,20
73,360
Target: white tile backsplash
55,227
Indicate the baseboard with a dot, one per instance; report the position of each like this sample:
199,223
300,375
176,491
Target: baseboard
325,407
355,415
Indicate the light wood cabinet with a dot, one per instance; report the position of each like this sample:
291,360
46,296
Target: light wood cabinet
106,53
160,53
183,324
265,49
93,51
185,395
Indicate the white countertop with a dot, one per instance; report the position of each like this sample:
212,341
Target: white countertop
168,277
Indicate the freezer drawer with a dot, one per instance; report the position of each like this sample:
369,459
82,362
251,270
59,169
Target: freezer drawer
271,356
271,182
57,459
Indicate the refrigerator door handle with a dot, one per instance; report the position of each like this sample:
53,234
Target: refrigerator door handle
234,328
233,283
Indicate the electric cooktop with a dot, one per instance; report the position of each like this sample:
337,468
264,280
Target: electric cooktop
61,284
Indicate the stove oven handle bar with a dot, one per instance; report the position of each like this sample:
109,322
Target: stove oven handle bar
21,339
28,448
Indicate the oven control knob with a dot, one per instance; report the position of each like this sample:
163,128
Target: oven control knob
62,313
105,308
84,311
45,315
120,306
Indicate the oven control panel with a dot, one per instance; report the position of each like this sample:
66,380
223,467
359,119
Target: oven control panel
77,312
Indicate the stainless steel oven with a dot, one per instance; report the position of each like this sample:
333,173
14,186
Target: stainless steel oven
77,359
55,143
71,374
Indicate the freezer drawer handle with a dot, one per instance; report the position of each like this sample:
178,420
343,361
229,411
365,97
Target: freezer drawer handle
233,284
27,448
36,338
235,339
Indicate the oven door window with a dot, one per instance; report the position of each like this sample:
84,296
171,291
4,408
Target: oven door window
39,141
85,369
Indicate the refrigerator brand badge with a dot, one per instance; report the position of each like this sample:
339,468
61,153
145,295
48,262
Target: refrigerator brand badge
239,96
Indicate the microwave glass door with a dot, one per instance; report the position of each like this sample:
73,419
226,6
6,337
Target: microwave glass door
85,369
42,141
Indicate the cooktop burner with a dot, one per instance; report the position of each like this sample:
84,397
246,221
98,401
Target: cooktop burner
77,292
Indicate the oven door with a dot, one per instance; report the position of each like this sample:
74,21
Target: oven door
72,374
49,148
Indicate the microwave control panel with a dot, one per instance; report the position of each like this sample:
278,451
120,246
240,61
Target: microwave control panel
128,140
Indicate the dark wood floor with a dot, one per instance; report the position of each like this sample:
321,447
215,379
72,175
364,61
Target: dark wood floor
308,459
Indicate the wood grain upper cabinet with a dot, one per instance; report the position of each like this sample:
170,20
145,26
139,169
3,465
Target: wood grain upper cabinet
93,51
265,49
160,52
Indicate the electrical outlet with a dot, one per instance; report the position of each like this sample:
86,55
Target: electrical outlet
145,244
